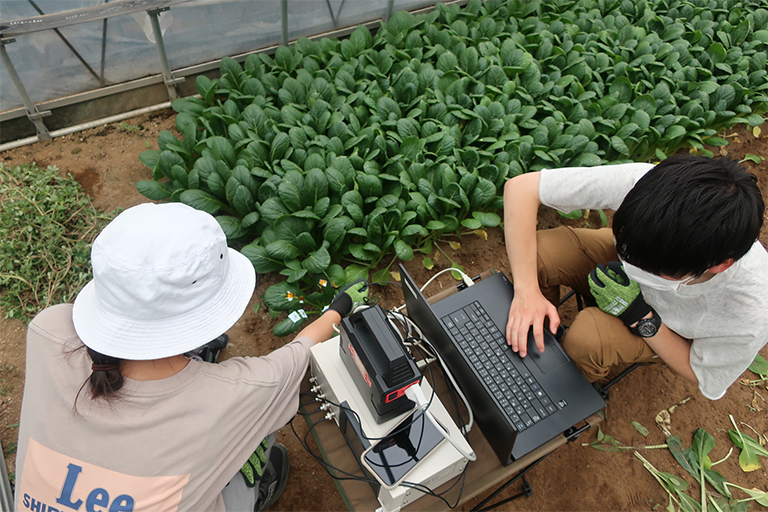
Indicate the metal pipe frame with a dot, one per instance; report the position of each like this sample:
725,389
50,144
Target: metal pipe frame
69,45
13,28
103,48
390,8
85,126
284,19
6,495
33,114
28,26
170,80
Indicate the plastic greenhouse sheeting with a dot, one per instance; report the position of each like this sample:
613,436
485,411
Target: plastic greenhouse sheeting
122,48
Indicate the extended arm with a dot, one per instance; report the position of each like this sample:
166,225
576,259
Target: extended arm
322,328
529,307
674,350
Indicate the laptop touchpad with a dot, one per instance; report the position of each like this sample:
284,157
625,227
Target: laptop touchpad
552,358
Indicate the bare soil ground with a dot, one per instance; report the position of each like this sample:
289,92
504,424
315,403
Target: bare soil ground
577,477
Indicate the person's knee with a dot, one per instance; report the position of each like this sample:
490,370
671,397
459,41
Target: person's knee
583,343
551,245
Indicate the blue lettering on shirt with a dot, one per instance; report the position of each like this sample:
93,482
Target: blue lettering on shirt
97,500
38,506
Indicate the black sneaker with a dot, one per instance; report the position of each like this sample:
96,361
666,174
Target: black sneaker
275,477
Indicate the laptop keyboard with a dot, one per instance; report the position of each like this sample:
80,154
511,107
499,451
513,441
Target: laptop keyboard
506,378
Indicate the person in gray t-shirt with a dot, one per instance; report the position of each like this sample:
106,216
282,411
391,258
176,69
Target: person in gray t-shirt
689,280
116,416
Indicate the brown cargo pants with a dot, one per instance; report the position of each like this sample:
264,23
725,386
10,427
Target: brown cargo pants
596,341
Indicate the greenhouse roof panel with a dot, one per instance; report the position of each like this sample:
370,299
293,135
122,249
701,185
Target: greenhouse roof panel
17,27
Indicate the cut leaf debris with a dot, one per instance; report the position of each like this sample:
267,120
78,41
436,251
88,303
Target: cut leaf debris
664,418
756,495
674,486
641,429
607,443
695,460
748,458
759,366
749,157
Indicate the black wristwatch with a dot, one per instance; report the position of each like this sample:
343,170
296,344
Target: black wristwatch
647,327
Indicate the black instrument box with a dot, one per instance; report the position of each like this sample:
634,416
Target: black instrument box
378,362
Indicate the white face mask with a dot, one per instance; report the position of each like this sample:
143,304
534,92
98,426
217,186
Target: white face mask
653,281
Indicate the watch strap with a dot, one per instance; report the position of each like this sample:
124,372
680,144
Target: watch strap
654,320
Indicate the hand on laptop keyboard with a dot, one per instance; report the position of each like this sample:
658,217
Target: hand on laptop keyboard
530,311
517,391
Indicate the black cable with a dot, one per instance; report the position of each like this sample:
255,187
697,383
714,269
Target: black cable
395,431
322,462
382,283
383,286
350,476
429,350
452,393
431,375
305,405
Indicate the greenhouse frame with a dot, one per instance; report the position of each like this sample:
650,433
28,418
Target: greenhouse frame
73,64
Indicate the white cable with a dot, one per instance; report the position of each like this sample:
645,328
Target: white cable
471,455
470,423
464,277
416,394
412,331
360,308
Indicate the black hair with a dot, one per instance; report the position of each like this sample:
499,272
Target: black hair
688,214
105,380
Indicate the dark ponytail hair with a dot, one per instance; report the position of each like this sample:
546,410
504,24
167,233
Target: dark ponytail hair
105,379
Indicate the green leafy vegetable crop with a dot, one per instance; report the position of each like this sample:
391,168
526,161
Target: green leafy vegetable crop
47,224
339,151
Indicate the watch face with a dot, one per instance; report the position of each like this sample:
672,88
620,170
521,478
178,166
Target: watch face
646,328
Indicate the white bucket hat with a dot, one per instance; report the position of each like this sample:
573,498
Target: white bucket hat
164,283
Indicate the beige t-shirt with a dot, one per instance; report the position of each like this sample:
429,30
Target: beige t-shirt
170,444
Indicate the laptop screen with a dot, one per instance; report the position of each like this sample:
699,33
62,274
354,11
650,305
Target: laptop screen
420,311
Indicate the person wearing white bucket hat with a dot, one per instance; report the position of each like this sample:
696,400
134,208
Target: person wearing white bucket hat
116,417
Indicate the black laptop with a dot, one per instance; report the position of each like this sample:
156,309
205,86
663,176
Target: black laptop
519,403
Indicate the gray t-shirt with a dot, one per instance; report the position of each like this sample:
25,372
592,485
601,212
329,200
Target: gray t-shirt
724,317
169,444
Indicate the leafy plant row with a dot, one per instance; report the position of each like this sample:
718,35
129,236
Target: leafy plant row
47,224
344,151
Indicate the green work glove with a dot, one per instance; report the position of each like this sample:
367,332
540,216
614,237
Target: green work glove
350,297
616,294
254,466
